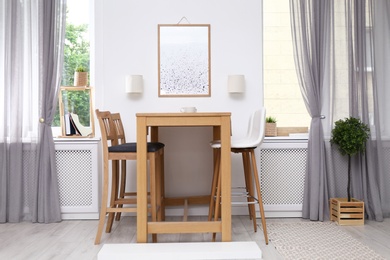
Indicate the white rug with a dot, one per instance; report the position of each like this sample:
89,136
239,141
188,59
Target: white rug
316,240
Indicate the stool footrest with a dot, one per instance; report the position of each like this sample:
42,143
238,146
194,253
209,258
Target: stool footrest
235,203
242,195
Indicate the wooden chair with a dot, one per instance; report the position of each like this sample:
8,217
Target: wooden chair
246,147
116,151
121,181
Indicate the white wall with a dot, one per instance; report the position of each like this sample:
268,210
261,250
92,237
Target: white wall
126,43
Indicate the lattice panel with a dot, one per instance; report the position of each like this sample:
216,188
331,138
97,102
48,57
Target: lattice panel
29,162
282,173
337,167
74,177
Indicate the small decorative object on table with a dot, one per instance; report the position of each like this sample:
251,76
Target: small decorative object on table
350,135
270,126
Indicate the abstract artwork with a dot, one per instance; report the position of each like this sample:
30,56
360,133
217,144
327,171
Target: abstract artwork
184,60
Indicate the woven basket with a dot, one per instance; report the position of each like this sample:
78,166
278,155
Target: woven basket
80,79
270,129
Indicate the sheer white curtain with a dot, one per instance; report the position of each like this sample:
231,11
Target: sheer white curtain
31,50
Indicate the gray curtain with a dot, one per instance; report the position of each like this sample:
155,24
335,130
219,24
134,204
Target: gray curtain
31,50
359,91
310,24
381,52
341,49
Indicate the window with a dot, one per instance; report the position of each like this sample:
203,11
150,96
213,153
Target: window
282,94
76,49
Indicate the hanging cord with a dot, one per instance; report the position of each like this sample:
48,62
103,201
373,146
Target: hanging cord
184,18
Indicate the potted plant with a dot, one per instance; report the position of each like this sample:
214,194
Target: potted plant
350,135
80,77
270,126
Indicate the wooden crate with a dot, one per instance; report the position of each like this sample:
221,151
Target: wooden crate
347,213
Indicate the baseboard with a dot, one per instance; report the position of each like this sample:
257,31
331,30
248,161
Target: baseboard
69,216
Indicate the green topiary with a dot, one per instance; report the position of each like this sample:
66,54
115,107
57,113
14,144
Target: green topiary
351,136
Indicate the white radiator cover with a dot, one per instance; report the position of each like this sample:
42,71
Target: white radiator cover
282,167
78,176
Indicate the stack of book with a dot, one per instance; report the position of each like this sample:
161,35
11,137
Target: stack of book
74,127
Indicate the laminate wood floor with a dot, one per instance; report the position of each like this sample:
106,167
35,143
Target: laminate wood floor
74,239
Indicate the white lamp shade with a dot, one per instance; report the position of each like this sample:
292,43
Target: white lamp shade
236,83
134,84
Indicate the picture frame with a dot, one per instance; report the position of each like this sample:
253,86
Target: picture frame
184,60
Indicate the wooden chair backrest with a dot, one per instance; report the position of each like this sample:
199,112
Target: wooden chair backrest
107,128
120,131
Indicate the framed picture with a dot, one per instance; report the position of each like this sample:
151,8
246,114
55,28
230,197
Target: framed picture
184,60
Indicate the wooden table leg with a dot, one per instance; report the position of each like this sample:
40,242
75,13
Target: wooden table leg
226,217
142,189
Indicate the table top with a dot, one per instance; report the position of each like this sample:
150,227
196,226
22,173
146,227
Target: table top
181,114
185,119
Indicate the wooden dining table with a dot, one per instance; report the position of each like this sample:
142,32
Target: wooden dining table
220,123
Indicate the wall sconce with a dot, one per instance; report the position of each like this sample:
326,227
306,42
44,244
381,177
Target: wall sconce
236,83
134,84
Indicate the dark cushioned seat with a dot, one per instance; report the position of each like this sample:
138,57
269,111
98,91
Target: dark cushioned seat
132,147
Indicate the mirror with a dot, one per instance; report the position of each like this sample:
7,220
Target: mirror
184,60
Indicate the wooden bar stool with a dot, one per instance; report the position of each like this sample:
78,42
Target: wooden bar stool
116,151
121,181
246,147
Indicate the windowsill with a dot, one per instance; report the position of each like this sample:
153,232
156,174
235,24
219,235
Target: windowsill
57,137
76,139
288,139
295,139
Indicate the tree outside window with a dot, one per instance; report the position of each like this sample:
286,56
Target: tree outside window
76,54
